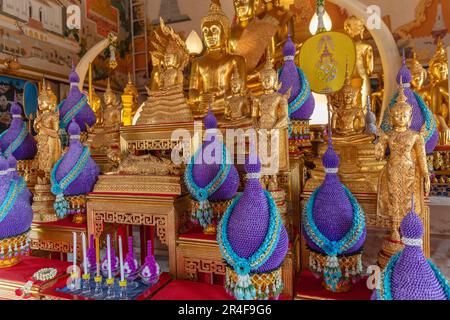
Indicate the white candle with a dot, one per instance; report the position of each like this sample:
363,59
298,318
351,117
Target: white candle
83,238
122,276
74,252
108,252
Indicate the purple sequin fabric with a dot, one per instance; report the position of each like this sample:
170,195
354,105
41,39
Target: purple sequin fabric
85,182
249,222
332,209
86,115
203,173
418,119
289,78
27,149
412,277
19,218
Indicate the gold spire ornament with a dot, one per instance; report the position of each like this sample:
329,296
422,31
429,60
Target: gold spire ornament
129,102
404,176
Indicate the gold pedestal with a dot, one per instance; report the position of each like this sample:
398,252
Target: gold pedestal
388,249
26,169
43,201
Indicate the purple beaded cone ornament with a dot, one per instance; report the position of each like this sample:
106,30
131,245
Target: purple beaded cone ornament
333,225
17,140
76,106
409,275
211,175
422,117
253,240
130,265
16,216
85,181
91,256
301,101
150,269
12,162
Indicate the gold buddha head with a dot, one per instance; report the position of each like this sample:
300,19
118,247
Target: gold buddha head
401,113
418,72
348,92
354,26
171,56
236,81
215,27
439,64
109,97
268,75
244,9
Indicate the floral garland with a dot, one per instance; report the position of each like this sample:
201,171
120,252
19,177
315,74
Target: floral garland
204,211
61,205
430,122
332,271
72,113
244,288
384,292
15,188
17,141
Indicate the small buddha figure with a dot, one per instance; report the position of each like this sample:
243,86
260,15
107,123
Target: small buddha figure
111,111
354,27
96,105
211,73
76,106
406,173
129,102
167,102
436,93
46,125
348,118
237,105
270,111
376,98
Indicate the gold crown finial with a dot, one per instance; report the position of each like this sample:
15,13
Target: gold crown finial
348,88
402,100
235,75
268,66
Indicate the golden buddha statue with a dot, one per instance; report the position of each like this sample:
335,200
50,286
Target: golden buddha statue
237,106
270,112
250,35
406,172
376,98
348,118
283,19
354,27
129,102
96,104
46,125
435,94
167,102
211,73
418,72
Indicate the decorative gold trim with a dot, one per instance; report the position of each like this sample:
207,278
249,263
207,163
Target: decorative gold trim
420,17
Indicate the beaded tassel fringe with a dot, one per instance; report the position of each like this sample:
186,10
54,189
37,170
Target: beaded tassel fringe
204,213
252,287
61,206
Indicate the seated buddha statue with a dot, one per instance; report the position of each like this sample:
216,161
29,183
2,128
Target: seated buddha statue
237,105
435,94
211,73
348,118
167,103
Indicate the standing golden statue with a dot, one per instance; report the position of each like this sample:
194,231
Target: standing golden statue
49,151
167,102
270,113
46,125
406,173
211,73
348,118
435,94
354,27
